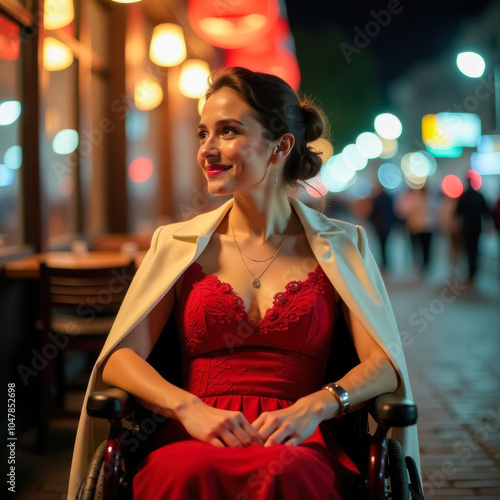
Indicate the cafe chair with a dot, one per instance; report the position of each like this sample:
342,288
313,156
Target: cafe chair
78,307
385,471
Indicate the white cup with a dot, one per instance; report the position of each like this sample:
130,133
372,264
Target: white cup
80,248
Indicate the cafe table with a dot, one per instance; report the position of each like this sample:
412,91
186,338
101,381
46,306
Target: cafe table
29,267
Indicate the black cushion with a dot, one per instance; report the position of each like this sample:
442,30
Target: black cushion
393,411
110,403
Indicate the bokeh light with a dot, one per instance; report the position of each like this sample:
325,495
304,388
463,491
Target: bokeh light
388,126
389,148
140,170
369,145
452,186
417,166
13,157
336,175
65,141
353,158
148,93
315,187
9,112
6,175
193,80
389,176
168,47
471,64
56,55
137,125
475,179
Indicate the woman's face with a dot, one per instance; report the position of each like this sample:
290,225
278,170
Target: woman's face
233,153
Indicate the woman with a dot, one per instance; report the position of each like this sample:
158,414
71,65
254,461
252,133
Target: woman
256,287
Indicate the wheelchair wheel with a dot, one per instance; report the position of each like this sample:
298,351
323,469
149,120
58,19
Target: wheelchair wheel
417,493
399,489
87,488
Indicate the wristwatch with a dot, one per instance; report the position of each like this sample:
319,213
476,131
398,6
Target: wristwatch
341,396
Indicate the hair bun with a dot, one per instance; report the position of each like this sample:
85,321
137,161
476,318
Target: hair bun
313,121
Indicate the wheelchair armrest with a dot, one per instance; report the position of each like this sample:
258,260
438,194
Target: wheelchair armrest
392,410
110,403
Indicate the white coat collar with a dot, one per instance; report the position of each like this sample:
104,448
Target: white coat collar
204,225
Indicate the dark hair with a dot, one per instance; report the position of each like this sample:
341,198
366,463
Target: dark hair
280,111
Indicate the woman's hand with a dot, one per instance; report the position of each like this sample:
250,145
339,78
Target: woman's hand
293,425
215,426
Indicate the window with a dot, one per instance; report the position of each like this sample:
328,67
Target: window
10,132
59,151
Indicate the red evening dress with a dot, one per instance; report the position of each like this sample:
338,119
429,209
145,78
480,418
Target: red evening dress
234,363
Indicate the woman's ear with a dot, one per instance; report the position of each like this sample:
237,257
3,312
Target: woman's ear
283,147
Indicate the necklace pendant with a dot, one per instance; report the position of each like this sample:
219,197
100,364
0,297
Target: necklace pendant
256,283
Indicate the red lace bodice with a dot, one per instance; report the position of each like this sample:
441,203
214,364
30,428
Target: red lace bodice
224,352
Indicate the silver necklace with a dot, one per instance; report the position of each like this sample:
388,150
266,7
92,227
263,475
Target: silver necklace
256,279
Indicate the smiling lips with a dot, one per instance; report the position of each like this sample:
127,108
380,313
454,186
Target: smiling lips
216,169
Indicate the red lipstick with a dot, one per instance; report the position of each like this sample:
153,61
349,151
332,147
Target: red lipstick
216,169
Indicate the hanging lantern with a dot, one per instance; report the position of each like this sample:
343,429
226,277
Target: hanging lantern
148,93
9,40
233,24
57,13
56,55
193,80
273,54
168,47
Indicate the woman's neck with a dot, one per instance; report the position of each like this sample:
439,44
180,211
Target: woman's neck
260,217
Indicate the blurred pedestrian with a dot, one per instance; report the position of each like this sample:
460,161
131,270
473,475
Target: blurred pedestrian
471,208
382,218
449,225
417,208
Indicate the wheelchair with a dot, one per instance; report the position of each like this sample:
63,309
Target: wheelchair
385,471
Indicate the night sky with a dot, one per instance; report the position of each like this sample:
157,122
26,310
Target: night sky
351,81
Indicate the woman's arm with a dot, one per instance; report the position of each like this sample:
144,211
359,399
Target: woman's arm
126,368
374,375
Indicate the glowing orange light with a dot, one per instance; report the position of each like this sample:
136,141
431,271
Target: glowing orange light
475,179
148,93
193,80
9,40
56,55
168,47
270,55
140,170
57,13
233,24
452,186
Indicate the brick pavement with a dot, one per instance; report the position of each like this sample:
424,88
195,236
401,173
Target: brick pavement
453,354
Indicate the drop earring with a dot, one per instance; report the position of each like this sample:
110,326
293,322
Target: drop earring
275,174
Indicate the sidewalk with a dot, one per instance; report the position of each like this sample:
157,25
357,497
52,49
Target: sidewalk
451,334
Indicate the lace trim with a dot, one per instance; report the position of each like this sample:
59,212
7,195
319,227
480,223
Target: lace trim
297,299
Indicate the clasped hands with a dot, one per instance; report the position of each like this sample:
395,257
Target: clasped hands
289,426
